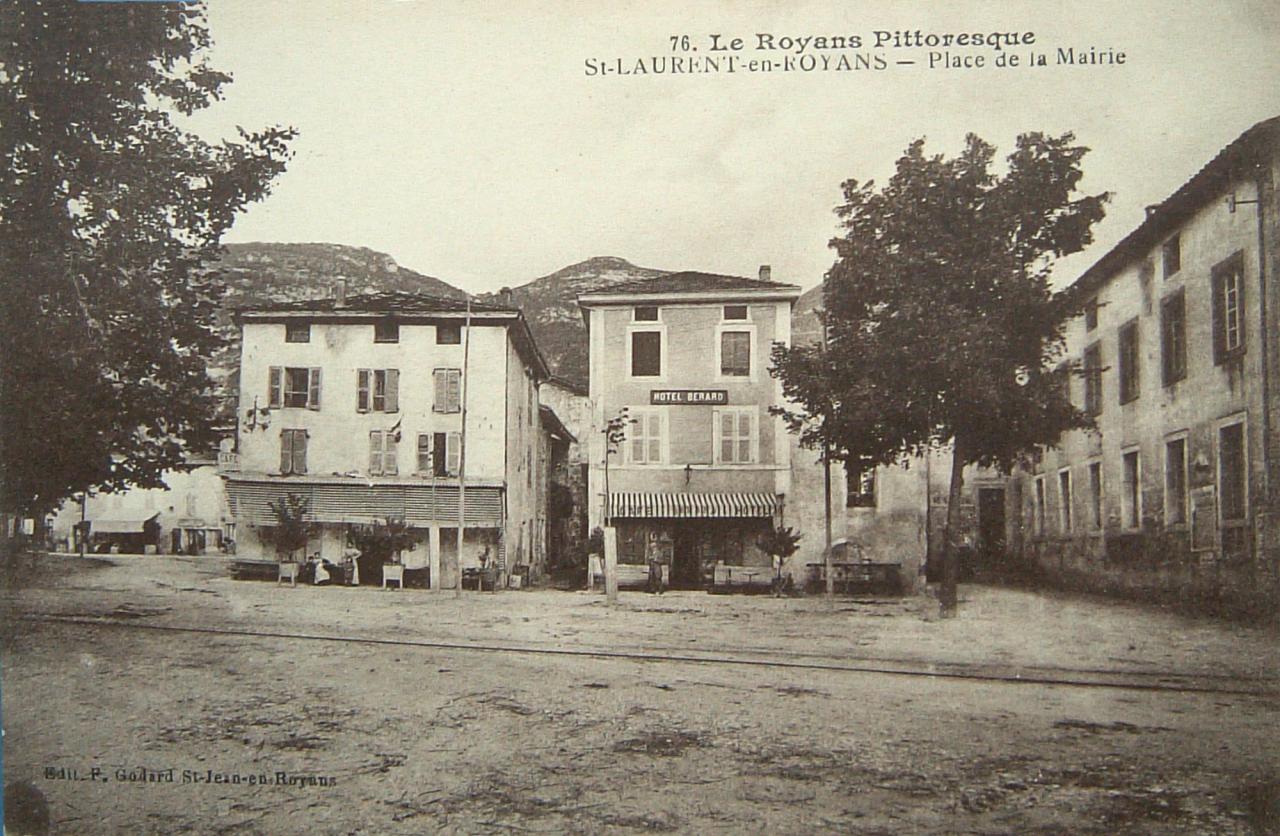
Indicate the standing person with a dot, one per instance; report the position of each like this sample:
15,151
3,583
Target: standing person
655,571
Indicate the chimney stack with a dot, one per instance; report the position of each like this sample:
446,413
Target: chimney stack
504,296
766,273
340,296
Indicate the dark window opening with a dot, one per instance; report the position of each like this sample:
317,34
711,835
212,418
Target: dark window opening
646,313
1175,481
1173,338
297,332
1171,256
1132,509
1231,472
1093,379
735,312
646,354
386,331
1129,362
449,334
860,483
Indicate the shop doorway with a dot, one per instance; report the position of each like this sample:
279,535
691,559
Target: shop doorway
686,556
991,526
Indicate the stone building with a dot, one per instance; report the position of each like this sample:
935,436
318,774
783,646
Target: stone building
1174,492
704,468
567,537
357,405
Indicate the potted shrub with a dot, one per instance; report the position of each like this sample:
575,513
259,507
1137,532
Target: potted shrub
779,543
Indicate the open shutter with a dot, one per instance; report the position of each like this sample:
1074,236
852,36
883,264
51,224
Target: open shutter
286,451
391,454
393,390
455,390
299,451
362,390
313,396
654,438
375,453
424,453
454,453
744,437
437,400
274,377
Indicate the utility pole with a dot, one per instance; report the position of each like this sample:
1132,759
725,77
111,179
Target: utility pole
84,528
826,482
462,457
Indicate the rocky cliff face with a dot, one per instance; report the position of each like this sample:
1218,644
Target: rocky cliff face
550,305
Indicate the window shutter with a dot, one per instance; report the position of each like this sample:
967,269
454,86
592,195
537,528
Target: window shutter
655,438
286,451
299,451
424,453
391,456
375,453
313,397
454,453
744,437
455,390
273,386
362,390
393,390
441,389
1219,319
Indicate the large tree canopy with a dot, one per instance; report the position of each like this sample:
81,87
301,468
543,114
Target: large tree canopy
942,325
109,214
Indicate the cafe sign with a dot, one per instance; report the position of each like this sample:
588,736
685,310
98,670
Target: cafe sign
688,397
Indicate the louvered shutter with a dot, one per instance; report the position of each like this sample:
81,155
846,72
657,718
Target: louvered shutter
654,438
313,397
299,451
286,451
726,437
441,389
393,390
454,453
391,454
455,390
362,390
274,377
744,437
375,453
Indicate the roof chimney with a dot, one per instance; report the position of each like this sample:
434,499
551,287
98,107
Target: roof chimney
766,273
340,294
1152,209
504,296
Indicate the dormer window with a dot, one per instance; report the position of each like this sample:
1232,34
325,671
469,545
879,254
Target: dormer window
645,313
297,332
386,331
735,313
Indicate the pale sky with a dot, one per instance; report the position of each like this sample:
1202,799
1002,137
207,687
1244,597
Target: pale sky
467,141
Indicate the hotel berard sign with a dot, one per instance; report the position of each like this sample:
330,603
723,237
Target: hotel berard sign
714,397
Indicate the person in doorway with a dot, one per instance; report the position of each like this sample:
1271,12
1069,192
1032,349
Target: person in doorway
655,573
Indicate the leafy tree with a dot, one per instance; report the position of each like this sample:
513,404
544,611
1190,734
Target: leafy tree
291,530
942,327
110,213
383,541
780,542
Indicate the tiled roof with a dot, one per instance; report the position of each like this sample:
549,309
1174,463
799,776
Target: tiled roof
399,302
1165,217
688,281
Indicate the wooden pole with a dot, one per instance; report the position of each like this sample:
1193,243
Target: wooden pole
826,485
462,457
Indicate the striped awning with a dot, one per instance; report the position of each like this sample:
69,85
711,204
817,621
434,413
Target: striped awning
692,505
417,505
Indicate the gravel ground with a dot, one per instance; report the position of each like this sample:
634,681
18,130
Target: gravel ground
451,739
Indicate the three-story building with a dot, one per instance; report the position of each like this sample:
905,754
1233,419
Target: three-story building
704,467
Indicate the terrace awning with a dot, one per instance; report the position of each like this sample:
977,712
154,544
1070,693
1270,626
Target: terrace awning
136,524
355,502
692,505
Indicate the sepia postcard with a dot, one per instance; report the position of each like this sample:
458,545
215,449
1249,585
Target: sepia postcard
565,417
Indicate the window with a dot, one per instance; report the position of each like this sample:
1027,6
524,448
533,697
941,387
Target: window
1131,499
386,331
1173,338
1093,379
1171,256
735,353
645,442
1175,481
860,485
1040,506
446,454
735,312
1064,494
383,446
294,388
1232,485
645,313
297,332
735,436
377,390
1228,309
1095,494
293,451
646,353
448,396
1091,314
449,333
1129,361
